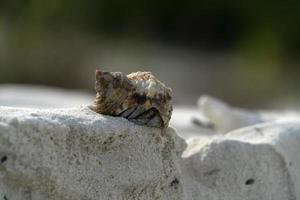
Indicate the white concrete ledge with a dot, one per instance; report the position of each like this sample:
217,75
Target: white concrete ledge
78,154
257,162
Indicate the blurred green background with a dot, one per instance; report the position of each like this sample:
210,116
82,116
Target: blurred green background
245,52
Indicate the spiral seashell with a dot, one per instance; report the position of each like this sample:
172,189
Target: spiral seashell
138,97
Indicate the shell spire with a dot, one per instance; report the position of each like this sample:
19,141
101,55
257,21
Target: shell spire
139,97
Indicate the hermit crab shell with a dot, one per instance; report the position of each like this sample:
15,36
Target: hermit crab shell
139,97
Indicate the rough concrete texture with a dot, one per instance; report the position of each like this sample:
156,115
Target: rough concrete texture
78,154
260,162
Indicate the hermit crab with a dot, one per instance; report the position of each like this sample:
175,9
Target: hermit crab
138,97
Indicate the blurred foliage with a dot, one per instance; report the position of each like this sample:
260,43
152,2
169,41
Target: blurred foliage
208,22
43,41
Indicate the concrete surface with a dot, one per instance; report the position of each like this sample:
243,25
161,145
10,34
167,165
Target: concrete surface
229,154
78,154
257,162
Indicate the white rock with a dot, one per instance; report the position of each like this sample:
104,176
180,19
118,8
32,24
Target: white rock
224,117
260,162
78,154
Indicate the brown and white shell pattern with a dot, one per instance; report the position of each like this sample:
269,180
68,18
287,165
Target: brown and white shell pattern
139,97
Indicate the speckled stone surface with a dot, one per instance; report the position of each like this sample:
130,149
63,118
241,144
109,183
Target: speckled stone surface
256,162
78,154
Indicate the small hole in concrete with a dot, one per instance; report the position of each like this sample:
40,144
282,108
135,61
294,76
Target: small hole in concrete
174,183
249,181
3,159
